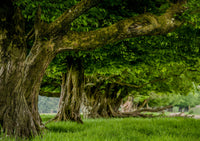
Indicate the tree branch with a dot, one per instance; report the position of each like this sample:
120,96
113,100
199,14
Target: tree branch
142,25
37,23
154,110
30,34
69,16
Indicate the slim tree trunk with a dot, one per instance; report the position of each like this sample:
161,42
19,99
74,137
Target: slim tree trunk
71,92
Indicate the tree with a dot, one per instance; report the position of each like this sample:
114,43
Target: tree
164,59
23,68
71,92
102,98
153,58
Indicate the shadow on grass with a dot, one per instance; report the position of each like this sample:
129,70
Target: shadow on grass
63,126
71,128
62,130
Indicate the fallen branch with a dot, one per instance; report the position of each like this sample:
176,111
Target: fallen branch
180,115
139,113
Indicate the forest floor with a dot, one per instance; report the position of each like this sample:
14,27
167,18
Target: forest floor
121,129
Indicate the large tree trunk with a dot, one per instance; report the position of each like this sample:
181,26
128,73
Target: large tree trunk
15,116
20,76
71,92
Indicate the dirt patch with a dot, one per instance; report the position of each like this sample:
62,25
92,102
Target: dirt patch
184,115
197,116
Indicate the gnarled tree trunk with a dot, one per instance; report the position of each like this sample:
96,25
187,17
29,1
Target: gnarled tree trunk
103,104
109,106
71,92
15,115
20,76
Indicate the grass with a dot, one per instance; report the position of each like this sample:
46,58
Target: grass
126,129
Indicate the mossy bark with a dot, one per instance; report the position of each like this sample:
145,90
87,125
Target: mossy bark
15,115
103,104
20,75
71,92
33,75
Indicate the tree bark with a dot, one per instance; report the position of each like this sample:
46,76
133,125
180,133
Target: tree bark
34,73
15,115
103,104
142,25
20,75
71,92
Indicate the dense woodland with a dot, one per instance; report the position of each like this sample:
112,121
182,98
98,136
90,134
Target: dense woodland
95,55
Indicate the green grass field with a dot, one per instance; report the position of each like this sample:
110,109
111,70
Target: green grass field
126,129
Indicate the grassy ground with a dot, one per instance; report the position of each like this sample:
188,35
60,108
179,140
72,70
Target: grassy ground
127,129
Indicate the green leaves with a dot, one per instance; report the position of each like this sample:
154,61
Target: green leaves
139,60
50,9
192,15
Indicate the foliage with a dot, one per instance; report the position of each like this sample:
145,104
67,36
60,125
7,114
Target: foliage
192,15
175,100
142,60
137,61
50,9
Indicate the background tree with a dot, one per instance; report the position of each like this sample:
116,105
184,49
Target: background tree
137,65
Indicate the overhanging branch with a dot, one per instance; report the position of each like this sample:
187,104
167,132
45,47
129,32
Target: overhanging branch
142,25
69,16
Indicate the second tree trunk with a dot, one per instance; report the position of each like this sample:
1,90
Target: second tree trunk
71,92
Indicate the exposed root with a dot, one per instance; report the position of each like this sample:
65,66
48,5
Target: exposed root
180,115
140,113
